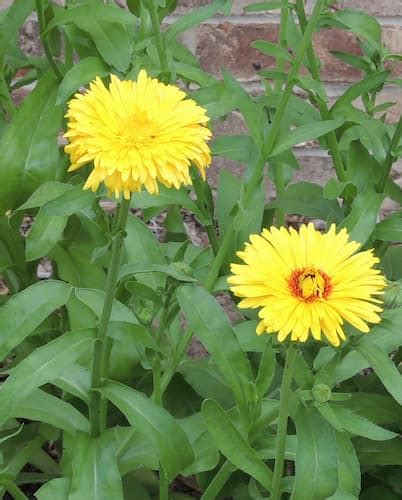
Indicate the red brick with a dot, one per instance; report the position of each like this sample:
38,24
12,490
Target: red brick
374,7
228,45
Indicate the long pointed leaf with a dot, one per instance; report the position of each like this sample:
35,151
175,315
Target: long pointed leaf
170,441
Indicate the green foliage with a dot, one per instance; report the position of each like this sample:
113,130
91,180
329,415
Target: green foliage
171,407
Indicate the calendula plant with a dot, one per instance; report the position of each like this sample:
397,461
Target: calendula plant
262,364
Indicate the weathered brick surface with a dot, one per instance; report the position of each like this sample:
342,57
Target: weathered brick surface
375,7
228,45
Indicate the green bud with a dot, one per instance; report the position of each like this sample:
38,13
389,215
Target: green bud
321,393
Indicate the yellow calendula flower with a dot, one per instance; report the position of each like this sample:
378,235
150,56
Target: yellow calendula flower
137,134
308,283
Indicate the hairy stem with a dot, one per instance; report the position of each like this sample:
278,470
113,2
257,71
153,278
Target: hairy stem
390,157
257,175
42,27
322,106
160,47
287,376
101,352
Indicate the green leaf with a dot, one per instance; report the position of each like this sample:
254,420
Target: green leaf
290,138
168,197
359,425
28,150
80,74
363,25
271,49
44,234
43,365
111,39
206,318
55,488
353,60
390,229
196,17
266,370
45,193
12,19
254,115
142,248
307,199
194,74
257,7
95,471
207,380
362,219
76,382
46,408
379,452
70,202
239,148
316,457
384,368
233,445
349,476
359,166
229,188
370,83
206,453
94,299
27,310
170,441
173,270
96,12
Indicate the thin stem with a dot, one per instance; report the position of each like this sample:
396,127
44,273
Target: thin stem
389,160
101,352
280,66
12,488
218,482
198,185
163,485
42,26
257,174
180,352
290,83
322,105
157,394
153,11
220,256
287,376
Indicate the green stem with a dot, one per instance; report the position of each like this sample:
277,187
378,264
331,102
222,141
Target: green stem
389,160
280,66
180,352
163,485
157,394
220,256
257,175
323,108
153,11
198,185
42,27
287,376
12,488
218,482
101,352
290,83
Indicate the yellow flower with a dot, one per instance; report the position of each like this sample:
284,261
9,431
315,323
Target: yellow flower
136,133
307,283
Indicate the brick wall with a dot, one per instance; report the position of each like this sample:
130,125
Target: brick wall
225,42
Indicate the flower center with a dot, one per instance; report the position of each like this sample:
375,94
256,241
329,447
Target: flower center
136,130
309,284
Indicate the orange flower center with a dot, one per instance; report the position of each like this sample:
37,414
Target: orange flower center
309,284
